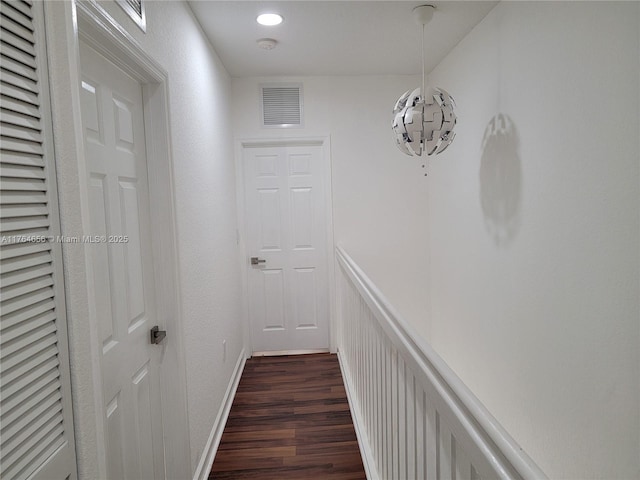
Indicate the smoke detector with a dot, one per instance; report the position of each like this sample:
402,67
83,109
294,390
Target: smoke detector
267,43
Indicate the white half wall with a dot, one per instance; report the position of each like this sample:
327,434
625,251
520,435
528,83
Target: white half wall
204,186
535,234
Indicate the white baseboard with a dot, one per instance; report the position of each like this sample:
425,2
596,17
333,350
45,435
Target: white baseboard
368,459
209,454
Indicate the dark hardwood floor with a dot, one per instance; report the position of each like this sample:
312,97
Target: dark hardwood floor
290,419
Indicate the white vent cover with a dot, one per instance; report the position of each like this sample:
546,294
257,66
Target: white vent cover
135,9
281,105
136,5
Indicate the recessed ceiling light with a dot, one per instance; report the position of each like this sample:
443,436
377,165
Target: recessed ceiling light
269,19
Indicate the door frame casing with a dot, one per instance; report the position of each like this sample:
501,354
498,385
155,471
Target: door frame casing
324,142
68,24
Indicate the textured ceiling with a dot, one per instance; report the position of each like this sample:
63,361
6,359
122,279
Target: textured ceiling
334,37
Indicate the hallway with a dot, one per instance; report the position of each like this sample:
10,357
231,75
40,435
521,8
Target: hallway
290,419
175,197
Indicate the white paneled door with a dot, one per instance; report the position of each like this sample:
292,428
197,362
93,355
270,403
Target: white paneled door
122,265
285,203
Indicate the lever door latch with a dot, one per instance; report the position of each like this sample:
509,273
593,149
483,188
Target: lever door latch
256,260
157,335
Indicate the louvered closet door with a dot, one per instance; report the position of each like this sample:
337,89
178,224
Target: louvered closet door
35,411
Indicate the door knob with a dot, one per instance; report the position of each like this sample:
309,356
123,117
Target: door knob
157,335
256,260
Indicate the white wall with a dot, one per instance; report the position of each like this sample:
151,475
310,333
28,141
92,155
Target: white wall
379,197
204,183
534,249
518,259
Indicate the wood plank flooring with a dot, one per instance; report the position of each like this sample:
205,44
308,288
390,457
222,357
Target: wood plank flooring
290,419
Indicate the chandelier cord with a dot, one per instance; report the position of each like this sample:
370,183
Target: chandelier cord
423,92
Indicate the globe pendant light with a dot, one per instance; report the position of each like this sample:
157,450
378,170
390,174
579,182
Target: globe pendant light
424,119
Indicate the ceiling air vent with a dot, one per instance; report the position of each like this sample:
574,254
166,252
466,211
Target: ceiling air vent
282,105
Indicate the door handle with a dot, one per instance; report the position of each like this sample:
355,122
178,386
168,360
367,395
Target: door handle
256,260
157,335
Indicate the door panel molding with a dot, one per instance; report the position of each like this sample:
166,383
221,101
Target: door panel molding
69,23
324,142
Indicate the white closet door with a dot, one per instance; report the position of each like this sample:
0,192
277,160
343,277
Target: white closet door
36,430
287,236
